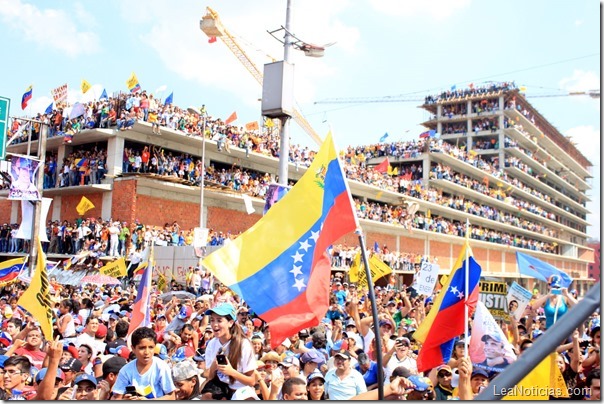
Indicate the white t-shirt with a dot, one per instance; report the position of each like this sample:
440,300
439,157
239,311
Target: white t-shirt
247,362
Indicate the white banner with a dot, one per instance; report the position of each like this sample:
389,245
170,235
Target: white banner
248,204
517,300
200,237
27,220
426,278
489,346
59,93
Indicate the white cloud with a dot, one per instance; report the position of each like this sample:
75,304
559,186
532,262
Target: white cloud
49,28
587,139
578,23
581,81
437,9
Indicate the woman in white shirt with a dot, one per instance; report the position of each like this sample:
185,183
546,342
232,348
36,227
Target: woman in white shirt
229,354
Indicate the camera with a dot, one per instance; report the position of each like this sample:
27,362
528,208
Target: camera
131,390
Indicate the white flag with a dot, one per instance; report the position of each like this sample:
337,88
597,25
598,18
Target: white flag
248,204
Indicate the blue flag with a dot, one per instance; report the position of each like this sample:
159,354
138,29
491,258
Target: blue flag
169,99
384,137
104,95
535,268
376,247
48,109
453,87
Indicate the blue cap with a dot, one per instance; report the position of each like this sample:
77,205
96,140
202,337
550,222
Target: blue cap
428,301
179,355
420,383
40,375
316,374
163,352
555,281
223,309
3,358
85,377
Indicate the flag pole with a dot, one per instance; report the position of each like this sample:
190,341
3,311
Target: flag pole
376,320
467,287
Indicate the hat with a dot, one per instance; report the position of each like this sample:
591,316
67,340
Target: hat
85,377
312,355
428,301
122,351
386,322
223,309
494,337
401,371
343,354
73,365
555,281
314,375
185,312
40,375
183,370
420,383
257,322
114,317
160,316
72,350
101,331
3,358
350,323
245,393
183,353
161,351
391,303
260,364
113,365
445,368
199,356
479,372
403,340
271,356
290,361
303,333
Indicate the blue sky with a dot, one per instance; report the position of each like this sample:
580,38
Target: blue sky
383,48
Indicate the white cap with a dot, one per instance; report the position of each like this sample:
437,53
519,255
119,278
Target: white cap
245,393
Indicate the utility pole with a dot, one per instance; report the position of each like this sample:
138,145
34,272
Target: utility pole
284,143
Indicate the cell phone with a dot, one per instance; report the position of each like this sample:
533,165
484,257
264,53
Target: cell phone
221,359
131,390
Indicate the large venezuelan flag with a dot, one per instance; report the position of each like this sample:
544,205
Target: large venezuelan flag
9,270
141,316
280,266
446,318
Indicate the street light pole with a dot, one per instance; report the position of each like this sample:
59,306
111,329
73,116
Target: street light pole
203,170
284,133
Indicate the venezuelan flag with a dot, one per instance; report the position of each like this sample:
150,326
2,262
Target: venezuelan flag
9,270
280,266
141,316
446,319
26,97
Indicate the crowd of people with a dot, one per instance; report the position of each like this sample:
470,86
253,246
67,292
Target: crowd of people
212,346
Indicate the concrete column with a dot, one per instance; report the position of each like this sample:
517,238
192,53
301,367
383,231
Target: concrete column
115,155
426,169
15,211
106,208
56,208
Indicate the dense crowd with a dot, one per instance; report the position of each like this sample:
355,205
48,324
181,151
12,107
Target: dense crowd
210,345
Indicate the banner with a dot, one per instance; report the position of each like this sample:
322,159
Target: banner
426,278
493,295
489,347
84,206
273,194
36,299
249,207
24,173
60,93
517,300
27,220
200,237
115,269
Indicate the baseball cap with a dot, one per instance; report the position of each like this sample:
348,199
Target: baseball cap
122,351
446,368
555,281
350,323
391,303
420,383
185,312
101,331
71,349
161,351
401,371
428,301
315,375
183,370
386,322
494,337
343,354
290,361
40,375
244,393
72,365
403,340
312,355
85,377
223,309
479,372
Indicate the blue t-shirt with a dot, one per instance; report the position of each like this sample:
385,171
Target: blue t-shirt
371,375
157,381
341,296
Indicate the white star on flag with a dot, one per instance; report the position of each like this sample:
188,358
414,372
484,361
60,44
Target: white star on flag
314,235
460,295
297,257
297,270
305,245
454,290
299,284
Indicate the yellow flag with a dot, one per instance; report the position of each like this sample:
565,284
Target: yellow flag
85,86
522,89
36,299
389,171
428,214
132,83
395,171
161,282
544,380
269,123
378,268
115,269
355,268
84,206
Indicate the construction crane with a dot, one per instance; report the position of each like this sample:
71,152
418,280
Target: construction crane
211,25
405,98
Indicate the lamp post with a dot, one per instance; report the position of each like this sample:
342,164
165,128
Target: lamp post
284,132
198,113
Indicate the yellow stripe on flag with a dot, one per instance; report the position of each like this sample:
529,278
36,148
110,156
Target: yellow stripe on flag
36,299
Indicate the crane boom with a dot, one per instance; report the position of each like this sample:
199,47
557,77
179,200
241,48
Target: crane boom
211,25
